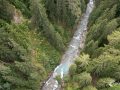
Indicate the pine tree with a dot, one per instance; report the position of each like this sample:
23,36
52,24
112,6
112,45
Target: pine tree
40,20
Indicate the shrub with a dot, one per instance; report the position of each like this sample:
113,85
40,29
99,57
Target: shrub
89,88
105,82
82,63
58,78
83,79
72,69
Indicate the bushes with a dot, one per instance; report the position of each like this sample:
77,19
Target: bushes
117,73
106,64
105,23
64,11
58,78
64,33
17,66
6,10
114,39
100,8
103,47
40,20
22,6
10,49
72,69
82,63
79,78
83,79
22,55
105,83
89,88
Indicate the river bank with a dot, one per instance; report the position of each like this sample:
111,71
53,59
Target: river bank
72,52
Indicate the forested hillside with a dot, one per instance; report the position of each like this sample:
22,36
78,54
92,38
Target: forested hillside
33,36
98,68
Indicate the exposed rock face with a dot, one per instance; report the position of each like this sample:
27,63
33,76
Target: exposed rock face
17,17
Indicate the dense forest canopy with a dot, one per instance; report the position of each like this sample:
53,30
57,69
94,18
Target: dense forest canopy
35,33
98,68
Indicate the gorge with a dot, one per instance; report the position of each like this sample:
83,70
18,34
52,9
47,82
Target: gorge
59,44
74,48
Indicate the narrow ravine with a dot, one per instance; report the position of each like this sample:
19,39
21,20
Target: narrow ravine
74,48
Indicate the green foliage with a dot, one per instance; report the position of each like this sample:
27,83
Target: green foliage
89,88
64,33
91,47
114,39
21,52
105,83
115,87
82,63
10,49
72,69
40,20
100,8
101,24
58,78
103,47
64,11
17,68
23,5
66,79
27,56
106,64
6,10
84,79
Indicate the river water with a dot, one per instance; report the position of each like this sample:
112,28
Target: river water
74,48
